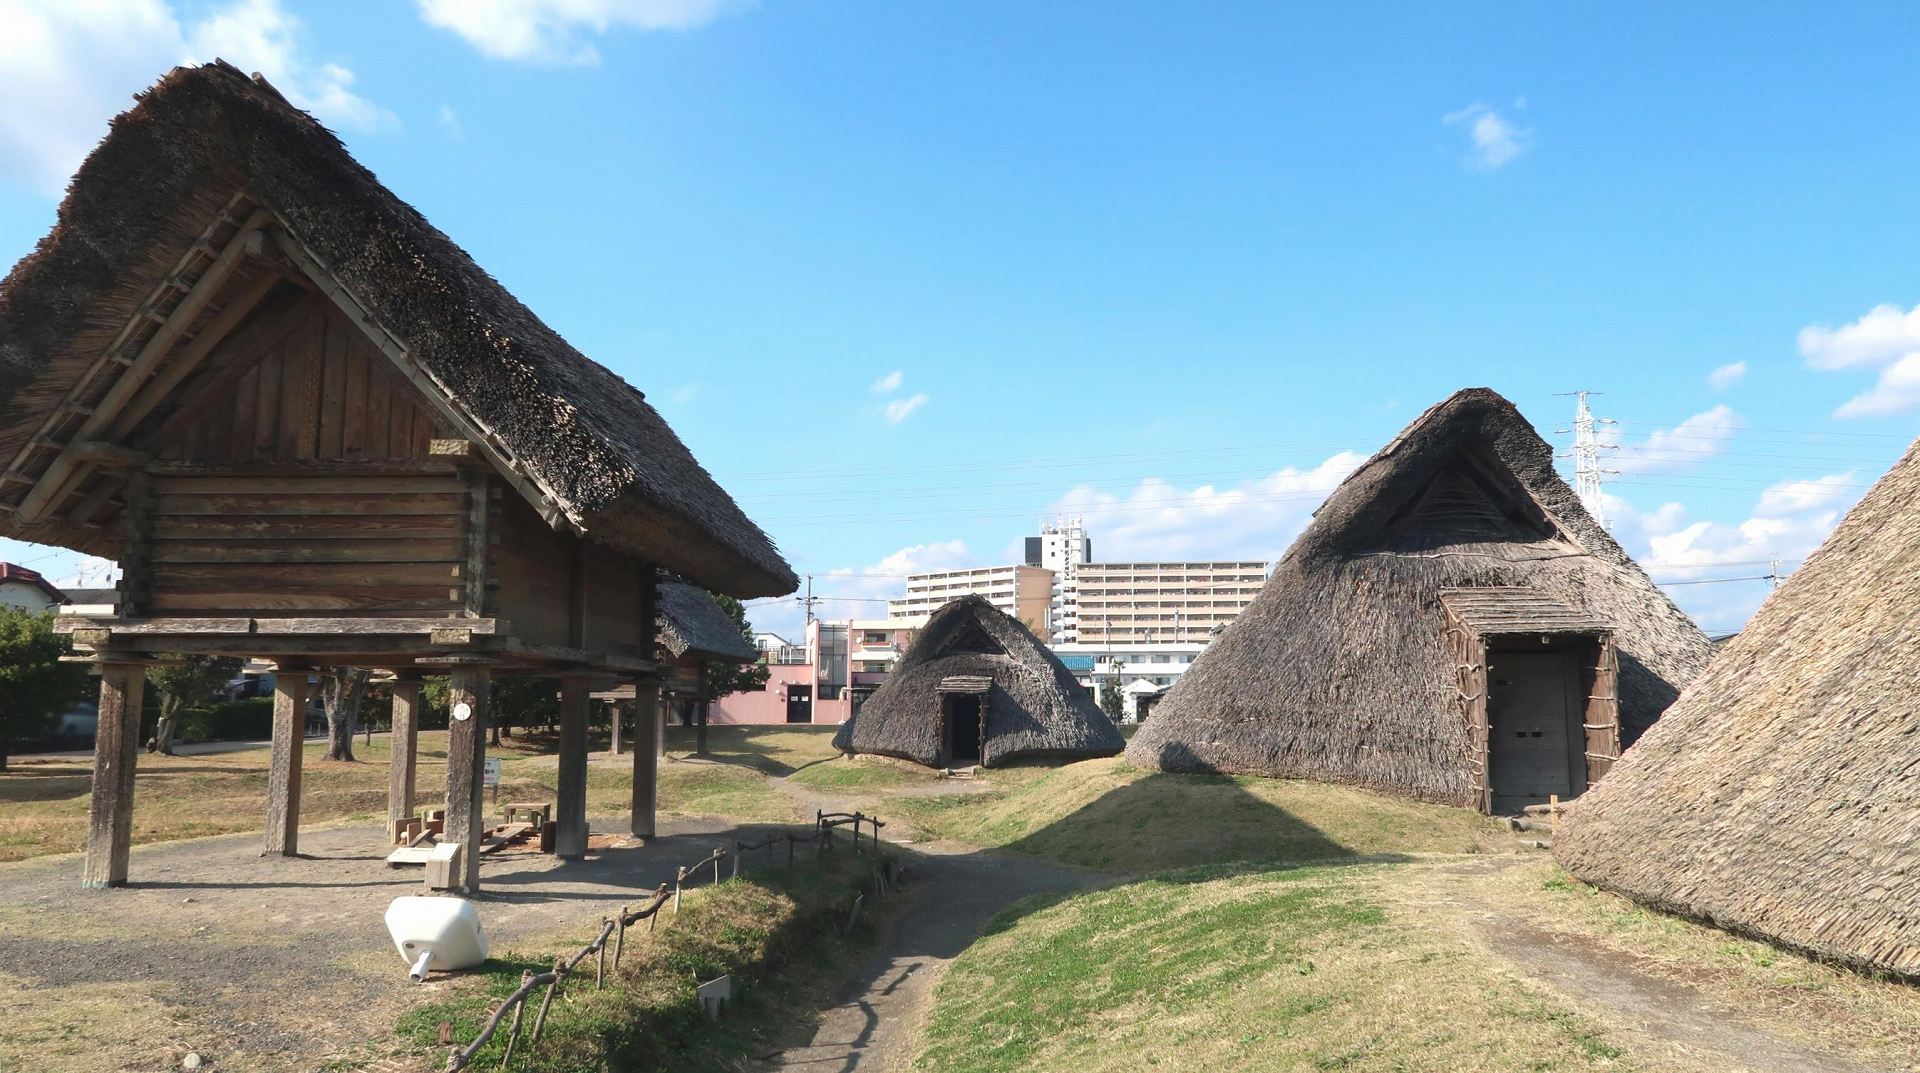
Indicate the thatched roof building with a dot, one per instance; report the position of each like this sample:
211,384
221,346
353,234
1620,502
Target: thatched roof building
575,439
1453,626
1780,797
693,627
977,687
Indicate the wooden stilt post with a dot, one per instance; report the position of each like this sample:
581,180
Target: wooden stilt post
116,744
466,767
283,771
700,710
616,714
646,761
570,813
405,741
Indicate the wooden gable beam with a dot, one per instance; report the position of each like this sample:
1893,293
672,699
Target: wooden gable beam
54,479
191,355
438,396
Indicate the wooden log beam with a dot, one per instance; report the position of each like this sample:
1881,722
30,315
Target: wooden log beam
404,741
570,813
55,478
466,767
646,760
116,745
283,767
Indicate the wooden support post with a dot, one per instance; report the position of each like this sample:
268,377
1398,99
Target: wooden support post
283,772
616,714
466,767
646,761
115,746
570,812
700,710
405,741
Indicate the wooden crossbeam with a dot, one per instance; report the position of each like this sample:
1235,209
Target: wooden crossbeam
55,478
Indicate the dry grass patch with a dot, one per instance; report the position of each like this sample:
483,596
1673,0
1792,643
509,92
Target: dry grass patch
103,1026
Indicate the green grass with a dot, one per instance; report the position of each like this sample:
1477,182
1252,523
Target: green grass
859,773
775,932
1105,814
1300,969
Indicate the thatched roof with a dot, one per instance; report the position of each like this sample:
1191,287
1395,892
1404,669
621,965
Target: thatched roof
1034,707
1340,669
1780,796
693,626
591,446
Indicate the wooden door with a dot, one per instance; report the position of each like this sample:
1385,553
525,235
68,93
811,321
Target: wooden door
1534,742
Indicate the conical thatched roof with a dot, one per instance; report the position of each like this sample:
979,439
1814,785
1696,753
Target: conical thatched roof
1781,796
1340,670
583,441
1034,707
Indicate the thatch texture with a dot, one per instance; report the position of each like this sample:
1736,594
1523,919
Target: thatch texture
593,445
1780,797
692,626
1341,670
1034,707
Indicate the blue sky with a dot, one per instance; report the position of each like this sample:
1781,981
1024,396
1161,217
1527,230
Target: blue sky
910,277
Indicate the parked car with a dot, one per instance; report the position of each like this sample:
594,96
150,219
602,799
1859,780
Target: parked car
76,726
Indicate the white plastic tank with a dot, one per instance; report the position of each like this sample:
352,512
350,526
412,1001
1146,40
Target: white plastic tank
436,933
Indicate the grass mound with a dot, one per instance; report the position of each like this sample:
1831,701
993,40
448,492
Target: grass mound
1106,814
757,928
1300,969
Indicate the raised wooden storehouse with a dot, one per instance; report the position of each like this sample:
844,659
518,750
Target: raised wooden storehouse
1780,797
1453,626
977,687
312,430
694,634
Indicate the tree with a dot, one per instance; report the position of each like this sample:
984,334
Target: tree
1112,700
187,681
521,701
34,684
342,691
720,679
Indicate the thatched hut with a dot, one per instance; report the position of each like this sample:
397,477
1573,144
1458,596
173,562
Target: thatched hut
1780,797
1453,626
977,687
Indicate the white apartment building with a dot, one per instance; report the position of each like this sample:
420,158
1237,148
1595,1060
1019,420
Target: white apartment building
1145,671
1063,548
1106,604
1025,592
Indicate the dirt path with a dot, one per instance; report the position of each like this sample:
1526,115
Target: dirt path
270,963
1597,979
881,1017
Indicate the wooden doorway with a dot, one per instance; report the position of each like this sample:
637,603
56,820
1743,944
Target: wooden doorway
1536,744
961,728
799,703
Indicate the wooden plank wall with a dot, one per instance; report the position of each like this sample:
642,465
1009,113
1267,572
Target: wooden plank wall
533,564
319,392
359,544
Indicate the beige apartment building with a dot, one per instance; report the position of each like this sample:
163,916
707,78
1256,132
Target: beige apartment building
1155,603
1025,592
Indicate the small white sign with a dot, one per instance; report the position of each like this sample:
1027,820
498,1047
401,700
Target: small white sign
493,771
463,711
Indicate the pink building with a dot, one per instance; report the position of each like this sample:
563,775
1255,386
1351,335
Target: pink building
822,682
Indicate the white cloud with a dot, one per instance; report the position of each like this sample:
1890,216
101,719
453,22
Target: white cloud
1887,338
1788,521
1255,519
557,31
862,591
450,120
889,383
66,68
1727,376
1681,447
1496,139
685,394
898,410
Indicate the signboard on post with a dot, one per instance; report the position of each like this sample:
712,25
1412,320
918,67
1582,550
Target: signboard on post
492,776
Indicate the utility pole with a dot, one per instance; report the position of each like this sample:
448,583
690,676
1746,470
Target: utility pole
1773,572
808,600
1586,457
